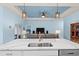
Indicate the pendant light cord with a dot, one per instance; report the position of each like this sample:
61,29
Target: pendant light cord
57,6
24,12
57,12
24,7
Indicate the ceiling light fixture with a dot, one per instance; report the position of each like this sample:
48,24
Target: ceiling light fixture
57,14
24,13
43,14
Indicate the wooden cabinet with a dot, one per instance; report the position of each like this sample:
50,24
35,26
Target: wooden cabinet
75,32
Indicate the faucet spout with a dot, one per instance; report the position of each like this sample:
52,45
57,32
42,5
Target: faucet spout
40,36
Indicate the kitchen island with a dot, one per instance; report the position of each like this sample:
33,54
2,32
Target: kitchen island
60,47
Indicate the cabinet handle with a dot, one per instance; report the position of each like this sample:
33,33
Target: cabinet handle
71,53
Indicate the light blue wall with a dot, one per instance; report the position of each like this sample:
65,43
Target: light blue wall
1,25
67,21
50,24
10,18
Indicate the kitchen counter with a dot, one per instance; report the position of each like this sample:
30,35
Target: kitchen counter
22,44
19,47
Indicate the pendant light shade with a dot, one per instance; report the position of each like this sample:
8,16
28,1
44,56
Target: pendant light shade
24,14
57,14
44,14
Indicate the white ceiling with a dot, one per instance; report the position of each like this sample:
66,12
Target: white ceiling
45,4
39,1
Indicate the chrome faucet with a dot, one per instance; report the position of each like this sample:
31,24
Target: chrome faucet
40,36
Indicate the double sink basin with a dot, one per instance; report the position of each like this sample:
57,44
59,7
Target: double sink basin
40,45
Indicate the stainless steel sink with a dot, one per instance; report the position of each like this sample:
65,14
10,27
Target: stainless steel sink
40,45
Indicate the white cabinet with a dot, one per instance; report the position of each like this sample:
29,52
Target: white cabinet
29,53
69,52
41,53
62,52
10,53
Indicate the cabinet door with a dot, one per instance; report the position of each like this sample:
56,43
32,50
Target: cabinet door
16,53
72,52
40,53
10,53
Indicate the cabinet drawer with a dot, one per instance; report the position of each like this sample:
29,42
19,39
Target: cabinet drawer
10,53
69,52
40,53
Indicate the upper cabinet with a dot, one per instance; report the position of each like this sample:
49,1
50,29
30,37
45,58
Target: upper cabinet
75,32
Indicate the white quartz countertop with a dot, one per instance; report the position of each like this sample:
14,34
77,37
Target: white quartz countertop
22,44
